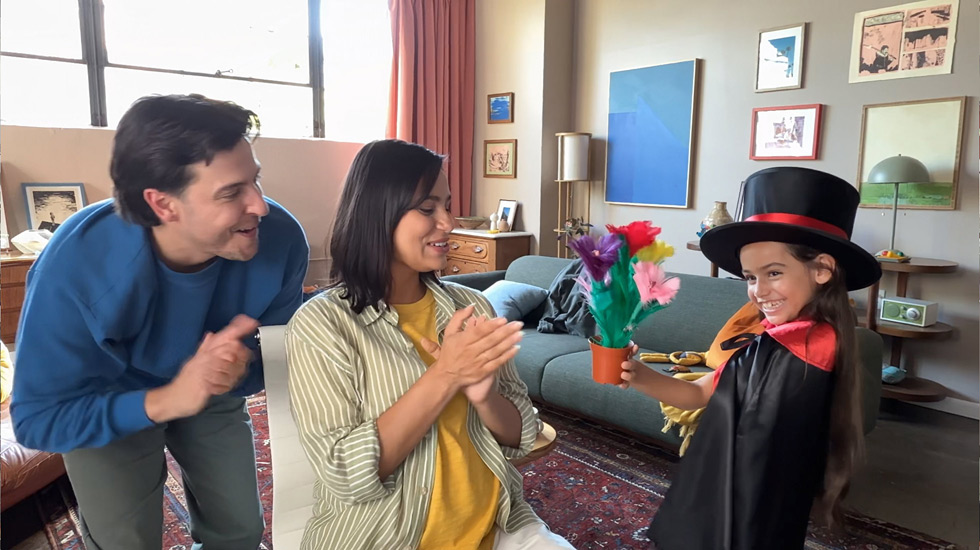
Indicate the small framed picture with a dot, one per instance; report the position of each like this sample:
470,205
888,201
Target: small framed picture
500,158
507,210
785,133
500,108
49,204
779,58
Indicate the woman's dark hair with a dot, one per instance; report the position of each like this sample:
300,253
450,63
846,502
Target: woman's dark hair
830,305
387,179
160,136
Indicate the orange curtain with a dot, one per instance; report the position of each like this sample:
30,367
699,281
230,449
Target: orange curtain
432,83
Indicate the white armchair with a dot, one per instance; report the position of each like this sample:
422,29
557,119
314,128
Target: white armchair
292,475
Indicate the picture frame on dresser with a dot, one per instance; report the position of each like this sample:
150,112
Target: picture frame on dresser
507,210
48,205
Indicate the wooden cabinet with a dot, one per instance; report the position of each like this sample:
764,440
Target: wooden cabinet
13,277
911,388
475,251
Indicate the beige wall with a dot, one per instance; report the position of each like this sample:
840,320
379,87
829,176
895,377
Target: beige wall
303,175
611,35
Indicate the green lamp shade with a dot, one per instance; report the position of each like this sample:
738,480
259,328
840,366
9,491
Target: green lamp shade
899,169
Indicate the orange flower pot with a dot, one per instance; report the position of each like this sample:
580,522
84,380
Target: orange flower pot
607,363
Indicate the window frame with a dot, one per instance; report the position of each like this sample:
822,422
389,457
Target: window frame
95,57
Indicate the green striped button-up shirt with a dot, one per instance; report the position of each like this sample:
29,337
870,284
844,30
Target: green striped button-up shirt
345,370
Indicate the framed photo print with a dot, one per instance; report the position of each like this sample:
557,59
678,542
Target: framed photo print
500,108
928,130
785,133
49,204
500,158
779,58
507,210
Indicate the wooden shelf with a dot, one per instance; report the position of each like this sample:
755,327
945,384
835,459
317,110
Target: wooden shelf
937,331
914,389
920,265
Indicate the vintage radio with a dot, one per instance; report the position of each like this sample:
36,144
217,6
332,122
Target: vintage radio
908,311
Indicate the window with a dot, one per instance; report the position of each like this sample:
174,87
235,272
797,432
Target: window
83,62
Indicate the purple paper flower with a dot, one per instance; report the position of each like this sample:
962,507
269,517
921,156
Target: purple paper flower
597,257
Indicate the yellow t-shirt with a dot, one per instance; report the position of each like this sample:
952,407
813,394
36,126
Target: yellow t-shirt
463,507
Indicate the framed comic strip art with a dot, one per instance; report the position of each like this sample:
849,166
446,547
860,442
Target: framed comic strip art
915,39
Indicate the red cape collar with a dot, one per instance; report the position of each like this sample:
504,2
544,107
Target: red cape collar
811,342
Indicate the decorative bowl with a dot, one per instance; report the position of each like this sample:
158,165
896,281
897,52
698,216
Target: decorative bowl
471,222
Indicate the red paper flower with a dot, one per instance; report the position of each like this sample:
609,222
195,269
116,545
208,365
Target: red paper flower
638,234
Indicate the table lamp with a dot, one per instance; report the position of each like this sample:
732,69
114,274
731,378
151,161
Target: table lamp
896,171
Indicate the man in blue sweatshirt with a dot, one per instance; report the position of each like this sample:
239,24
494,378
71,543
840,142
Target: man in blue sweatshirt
137,328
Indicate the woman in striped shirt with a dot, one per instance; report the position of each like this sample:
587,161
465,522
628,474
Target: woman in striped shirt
403,387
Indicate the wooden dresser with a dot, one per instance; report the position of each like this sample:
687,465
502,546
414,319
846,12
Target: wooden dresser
478,251
13,276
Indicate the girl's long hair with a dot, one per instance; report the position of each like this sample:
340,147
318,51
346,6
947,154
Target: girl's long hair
846,446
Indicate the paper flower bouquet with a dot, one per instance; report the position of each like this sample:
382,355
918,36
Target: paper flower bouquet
623,283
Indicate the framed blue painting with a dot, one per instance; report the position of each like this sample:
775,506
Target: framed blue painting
649,154
500,108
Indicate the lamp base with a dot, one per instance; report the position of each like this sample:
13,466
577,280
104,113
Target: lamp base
892,256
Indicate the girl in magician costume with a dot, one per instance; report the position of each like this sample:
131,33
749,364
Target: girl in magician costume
781,430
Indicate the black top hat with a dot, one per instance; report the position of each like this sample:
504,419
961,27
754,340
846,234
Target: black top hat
796,206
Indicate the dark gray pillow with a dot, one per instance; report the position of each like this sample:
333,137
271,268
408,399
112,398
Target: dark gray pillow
513,300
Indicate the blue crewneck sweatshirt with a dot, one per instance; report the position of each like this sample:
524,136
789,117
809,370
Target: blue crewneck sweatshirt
104,320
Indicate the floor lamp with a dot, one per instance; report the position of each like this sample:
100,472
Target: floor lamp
573,166
896,171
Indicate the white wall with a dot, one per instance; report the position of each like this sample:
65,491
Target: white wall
304,175
612,35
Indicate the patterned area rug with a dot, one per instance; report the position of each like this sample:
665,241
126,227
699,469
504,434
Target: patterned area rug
597,488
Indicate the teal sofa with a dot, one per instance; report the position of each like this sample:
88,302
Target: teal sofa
557,368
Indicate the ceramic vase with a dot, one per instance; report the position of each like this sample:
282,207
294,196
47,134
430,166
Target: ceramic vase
718,216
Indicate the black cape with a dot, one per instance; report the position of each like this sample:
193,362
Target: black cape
757,460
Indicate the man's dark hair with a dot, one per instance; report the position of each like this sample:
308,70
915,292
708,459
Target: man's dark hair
386,180
160,136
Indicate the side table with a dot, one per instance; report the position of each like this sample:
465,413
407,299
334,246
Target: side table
545,442
696,246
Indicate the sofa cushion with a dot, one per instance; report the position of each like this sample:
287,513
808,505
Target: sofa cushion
694,317
567,382
536,270
513,300
537,349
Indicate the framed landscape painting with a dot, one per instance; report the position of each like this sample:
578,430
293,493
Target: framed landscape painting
928,130
500,108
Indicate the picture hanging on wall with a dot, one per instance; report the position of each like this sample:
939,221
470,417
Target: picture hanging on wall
928,130
500,108
914,39
779,58
500,158
49,204
785,133
650,144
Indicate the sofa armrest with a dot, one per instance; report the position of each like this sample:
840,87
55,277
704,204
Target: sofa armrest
870,353
478,281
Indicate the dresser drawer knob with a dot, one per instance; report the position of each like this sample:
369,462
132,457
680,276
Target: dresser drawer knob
477,249
455,269
454,246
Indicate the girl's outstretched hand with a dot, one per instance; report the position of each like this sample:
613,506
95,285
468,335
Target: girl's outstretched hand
634,372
